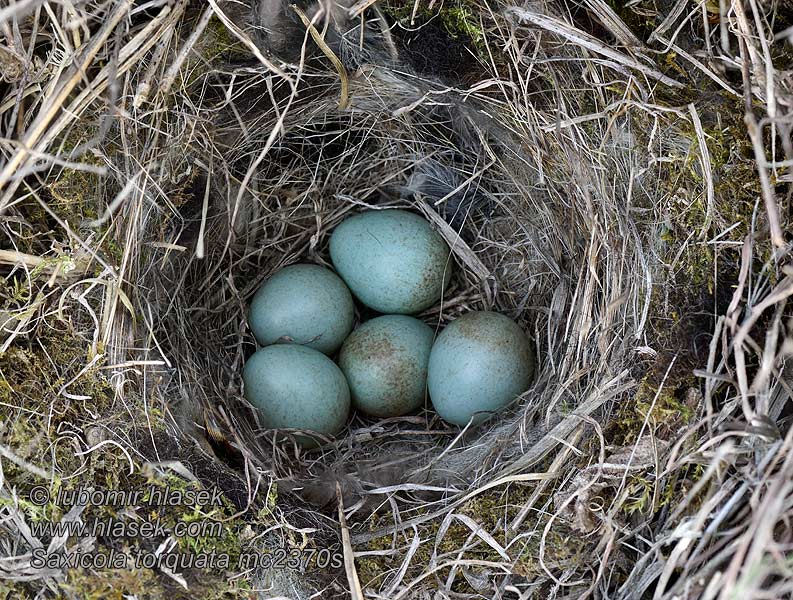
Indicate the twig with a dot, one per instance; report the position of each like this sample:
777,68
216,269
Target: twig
707,169
243,37
769,197
344,100
587,41
349,557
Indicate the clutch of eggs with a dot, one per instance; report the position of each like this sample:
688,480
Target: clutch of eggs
394,262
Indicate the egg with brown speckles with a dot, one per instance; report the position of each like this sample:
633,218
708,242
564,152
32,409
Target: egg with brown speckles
385,362
479,363
392,260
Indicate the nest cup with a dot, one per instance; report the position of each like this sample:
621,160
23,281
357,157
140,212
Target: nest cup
536,232
614,176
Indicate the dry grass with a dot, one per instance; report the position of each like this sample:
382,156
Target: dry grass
615,177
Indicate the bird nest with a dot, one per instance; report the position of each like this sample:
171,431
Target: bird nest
579,182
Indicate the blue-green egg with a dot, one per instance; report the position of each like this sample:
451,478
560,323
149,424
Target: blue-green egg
392,260
296,387
479,363
302,304
385,362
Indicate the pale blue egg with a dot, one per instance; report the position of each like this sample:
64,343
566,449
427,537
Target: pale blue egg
302,304
392,260
295,387
479,363
385,362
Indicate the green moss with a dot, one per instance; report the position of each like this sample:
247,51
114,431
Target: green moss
75,195
641,17
661,412
218,43
221,533
458,19
701,275
113,250
639,495
32,380
402,12
735,182
217,46
112,584
665,403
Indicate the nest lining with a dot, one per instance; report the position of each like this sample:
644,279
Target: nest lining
552,225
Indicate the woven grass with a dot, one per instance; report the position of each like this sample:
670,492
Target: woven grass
616,178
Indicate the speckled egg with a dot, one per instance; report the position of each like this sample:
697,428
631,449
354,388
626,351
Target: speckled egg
479,363
296,387
392,260
302,304
385,362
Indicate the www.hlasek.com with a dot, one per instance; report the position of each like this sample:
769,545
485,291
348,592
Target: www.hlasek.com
117,528
300,559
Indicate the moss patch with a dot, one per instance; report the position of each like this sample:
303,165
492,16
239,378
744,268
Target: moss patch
444,41
78,430
657,409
